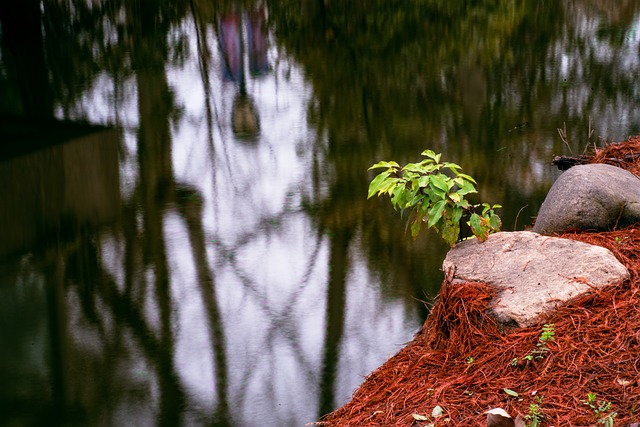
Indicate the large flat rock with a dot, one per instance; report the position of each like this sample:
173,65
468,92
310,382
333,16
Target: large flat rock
532,273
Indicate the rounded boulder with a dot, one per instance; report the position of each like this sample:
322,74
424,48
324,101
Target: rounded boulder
590,197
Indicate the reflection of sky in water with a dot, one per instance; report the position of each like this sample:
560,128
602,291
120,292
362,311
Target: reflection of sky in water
607,47
267,261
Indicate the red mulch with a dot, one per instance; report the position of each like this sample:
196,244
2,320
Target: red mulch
596,350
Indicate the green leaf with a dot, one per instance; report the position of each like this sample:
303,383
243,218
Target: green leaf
439,182
450,232
467,177
495,222
464,204
436,213
416,200
479,227
414,184
475,224
434,193
423,181
429,153
428,166
397,198
377,182
457,213
511,392
452,167
409,195
485,208
465,188
414,168
391,185
391,165
410,176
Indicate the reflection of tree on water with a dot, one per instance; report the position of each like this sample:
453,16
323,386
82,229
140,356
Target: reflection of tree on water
114,313
125,297
24,57
158,188
245,120
335,317
190,203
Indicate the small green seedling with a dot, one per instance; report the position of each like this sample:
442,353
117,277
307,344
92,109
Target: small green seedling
548,334
601,410
621,240
535,415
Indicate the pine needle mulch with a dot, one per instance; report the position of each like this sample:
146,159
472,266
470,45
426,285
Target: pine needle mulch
462,361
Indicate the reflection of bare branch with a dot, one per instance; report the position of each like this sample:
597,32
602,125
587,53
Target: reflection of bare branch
191,209
304,280
129,315
121,315
203,62
280,323
210,106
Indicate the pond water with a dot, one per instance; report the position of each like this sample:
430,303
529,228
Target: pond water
190,243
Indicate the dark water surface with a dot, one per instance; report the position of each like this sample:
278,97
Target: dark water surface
210,258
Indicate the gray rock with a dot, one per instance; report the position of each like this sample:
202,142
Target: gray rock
532,273
595,196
